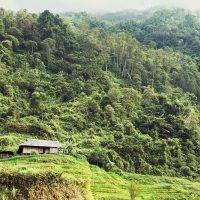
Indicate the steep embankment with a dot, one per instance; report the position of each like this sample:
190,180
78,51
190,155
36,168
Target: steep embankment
44,177
65,177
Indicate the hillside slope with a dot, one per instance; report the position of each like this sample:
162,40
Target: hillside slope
65,177
175,28
122,105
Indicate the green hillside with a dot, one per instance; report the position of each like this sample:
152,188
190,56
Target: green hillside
30,177
175,28
127,105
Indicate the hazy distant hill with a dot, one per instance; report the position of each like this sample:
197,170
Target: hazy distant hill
126,15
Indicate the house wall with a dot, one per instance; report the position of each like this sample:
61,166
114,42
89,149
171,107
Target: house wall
31,150
4,155
39,150
54,150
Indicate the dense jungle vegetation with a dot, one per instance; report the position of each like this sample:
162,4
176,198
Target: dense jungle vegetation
124,94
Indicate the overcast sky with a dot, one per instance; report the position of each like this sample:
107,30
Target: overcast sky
94,5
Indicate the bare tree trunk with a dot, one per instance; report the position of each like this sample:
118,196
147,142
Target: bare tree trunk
124,67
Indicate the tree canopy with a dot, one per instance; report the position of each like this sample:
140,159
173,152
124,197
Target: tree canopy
126,95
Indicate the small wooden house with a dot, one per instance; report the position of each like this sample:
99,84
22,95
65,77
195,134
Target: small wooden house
6,154
32,146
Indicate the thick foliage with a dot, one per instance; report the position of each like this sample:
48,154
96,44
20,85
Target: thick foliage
106,96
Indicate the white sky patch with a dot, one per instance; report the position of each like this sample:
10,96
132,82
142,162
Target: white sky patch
93,5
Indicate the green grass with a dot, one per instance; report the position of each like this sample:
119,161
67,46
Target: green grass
103,185
107,185
36,164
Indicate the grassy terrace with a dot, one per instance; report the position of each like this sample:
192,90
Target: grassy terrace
111,186
101,184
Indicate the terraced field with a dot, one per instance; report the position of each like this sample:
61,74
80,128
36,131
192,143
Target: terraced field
101,184
110,186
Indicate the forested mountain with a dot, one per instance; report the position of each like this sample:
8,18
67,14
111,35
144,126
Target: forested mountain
124,95
176,28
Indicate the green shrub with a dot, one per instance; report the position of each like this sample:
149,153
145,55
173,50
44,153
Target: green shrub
135,190
185,171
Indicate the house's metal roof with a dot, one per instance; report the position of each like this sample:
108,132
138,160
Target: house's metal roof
41,143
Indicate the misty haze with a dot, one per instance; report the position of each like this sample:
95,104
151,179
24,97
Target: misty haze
95,5
99,100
